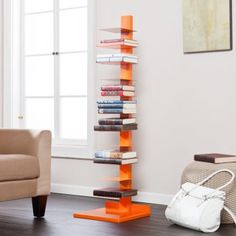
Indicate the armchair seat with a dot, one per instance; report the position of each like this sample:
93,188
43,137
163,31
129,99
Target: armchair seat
25,166
18,167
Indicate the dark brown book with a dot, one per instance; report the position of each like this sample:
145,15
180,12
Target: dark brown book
113,192
115,161
215,158
115,127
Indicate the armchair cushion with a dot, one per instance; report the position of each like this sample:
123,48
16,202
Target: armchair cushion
18,167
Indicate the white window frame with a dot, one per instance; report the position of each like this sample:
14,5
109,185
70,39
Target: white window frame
11,90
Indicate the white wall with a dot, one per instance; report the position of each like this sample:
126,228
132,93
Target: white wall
186,103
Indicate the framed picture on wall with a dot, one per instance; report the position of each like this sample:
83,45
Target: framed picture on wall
207,25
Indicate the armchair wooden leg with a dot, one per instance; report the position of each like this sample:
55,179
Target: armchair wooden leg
39,205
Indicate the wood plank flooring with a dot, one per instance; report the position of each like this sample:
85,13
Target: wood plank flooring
16,219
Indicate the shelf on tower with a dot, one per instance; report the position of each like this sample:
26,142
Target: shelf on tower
118,30
116,127
115,192
115,161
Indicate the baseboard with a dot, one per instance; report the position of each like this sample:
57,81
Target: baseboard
154,198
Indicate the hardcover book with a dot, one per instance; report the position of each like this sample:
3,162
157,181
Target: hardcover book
124,106
116,111
215,158
118,55
115,127
116,193
119,41
117,93
117,59
116,121
115,154
116,102
117,88
115,161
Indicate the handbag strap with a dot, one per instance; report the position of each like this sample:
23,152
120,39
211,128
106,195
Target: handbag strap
230,213
215,173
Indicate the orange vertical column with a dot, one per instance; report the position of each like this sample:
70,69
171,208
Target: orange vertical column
126,72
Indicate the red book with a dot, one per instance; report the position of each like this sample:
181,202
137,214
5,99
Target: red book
215,158
117,88
117,93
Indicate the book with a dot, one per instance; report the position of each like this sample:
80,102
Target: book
117,59
124,106
114,161
118,41
115,154
128,55
115,127
117,88
116,121
116,111
117,93
116,102
114,192
215,158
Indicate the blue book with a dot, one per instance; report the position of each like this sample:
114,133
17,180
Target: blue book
124,106
116,111
115,102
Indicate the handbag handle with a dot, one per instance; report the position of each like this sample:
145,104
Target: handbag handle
230,213
215,173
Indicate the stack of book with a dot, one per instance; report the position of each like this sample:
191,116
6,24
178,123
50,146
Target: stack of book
121,156
215,158
116,107
117,90
117,57
117,42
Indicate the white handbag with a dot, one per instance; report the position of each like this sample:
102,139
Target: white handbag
198,207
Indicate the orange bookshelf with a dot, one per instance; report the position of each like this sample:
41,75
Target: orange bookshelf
123,209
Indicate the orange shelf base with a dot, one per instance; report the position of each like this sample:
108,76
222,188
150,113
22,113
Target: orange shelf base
136,211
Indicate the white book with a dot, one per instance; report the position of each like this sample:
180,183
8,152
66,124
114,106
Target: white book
115,154
117,55
117,59
119,41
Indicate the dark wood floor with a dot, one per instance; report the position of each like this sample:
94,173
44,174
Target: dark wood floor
16,220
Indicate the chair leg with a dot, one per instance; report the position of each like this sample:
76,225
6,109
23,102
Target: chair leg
39,205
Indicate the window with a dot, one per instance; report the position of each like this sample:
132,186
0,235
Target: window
53,87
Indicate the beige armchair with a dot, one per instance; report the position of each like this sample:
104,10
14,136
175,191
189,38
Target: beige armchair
25,166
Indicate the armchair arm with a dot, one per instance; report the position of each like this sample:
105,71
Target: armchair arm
30,142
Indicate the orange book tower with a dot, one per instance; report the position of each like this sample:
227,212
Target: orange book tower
123,209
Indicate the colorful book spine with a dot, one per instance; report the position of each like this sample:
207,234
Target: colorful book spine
115,154
124,106
110,121
117,88
116,111
108,154
116,102
115,127
117,93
